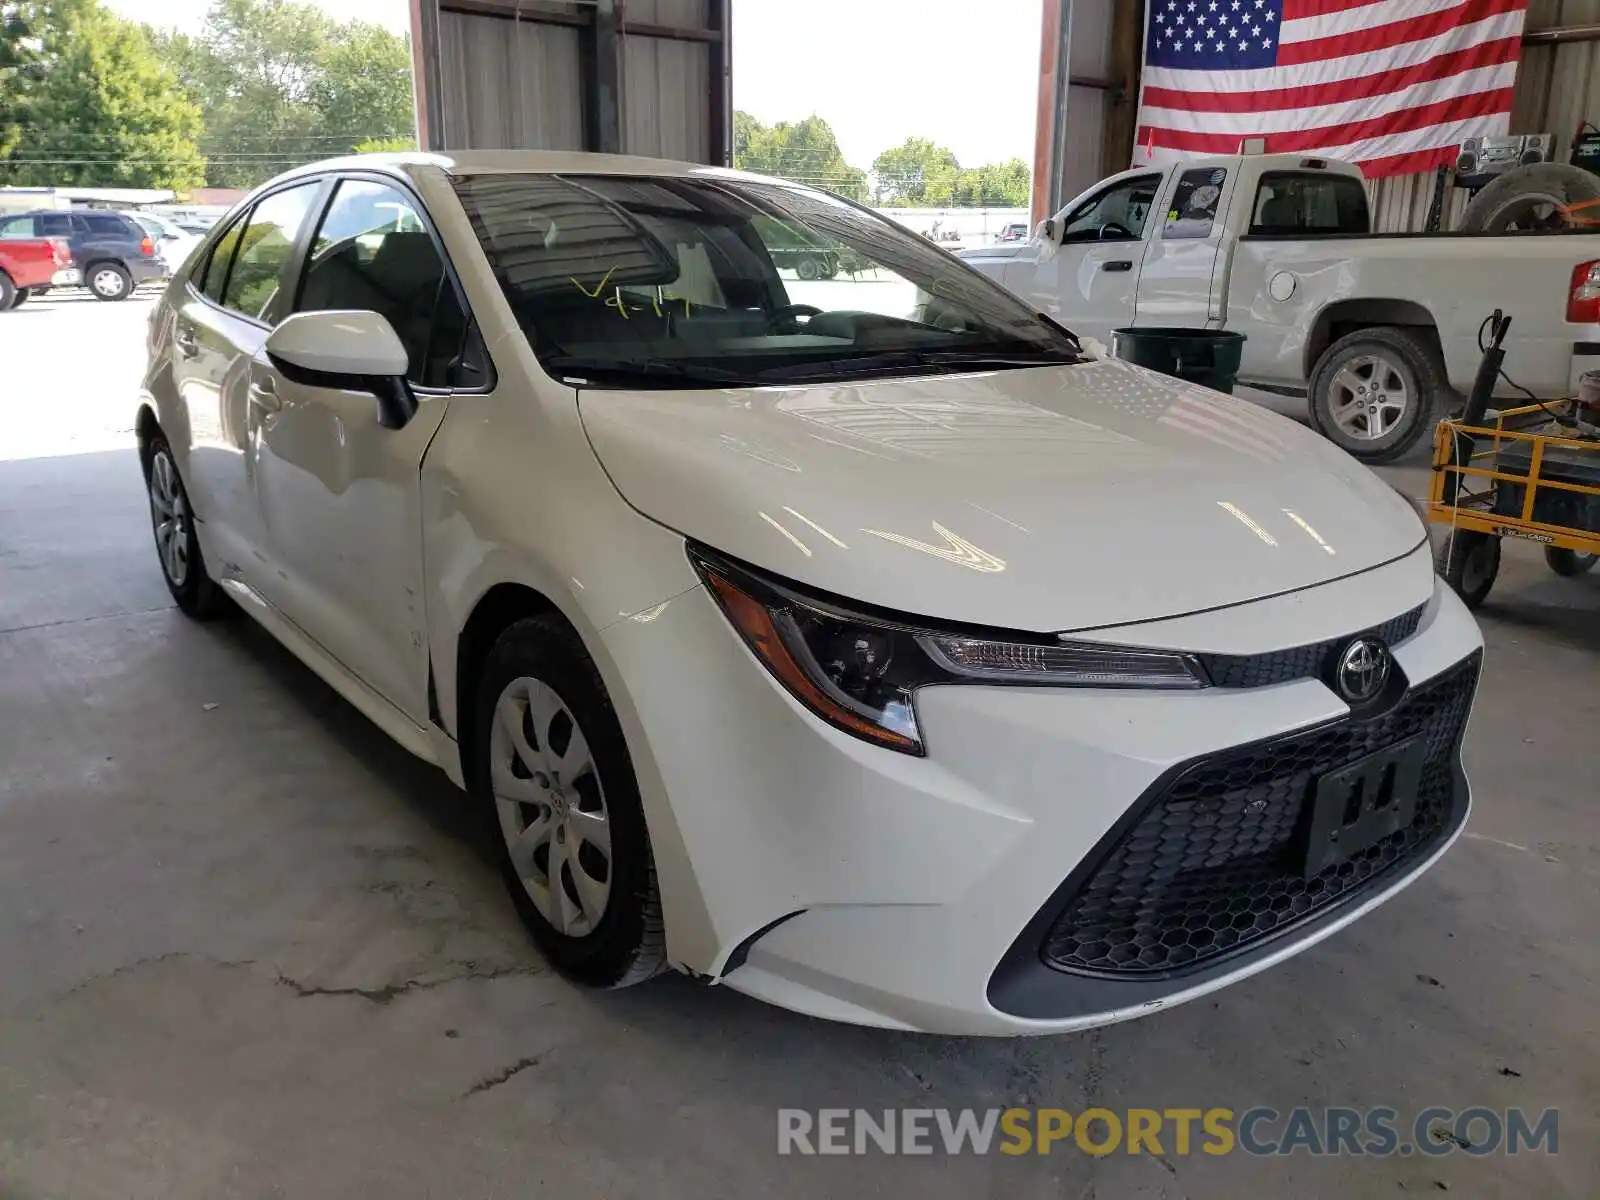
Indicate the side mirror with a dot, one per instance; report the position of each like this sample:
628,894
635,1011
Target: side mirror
350,350
1047,231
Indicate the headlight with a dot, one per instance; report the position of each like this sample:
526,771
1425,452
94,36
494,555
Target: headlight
858,671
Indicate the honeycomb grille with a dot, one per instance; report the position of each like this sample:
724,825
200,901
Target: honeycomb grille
1214,862
1299,662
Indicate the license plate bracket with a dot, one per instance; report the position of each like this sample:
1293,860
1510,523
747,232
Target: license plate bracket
1359,805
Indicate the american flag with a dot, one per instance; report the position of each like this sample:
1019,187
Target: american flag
1394,85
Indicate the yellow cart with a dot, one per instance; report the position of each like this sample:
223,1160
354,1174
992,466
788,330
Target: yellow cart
1519,473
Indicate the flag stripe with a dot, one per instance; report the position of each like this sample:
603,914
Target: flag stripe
1317,117
1370,15
1293,140
1374,153
1387,37
1294,10
1487,54
1506,25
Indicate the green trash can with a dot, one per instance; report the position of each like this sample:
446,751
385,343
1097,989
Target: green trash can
1209,357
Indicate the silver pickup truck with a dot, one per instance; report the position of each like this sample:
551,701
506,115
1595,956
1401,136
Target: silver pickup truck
1379,330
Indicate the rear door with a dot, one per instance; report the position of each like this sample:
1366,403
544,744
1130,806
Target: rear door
230,301
340,494
1182,282
1089,282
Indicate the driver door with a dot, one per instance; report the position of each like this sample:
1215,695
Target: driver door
339,494
1090,282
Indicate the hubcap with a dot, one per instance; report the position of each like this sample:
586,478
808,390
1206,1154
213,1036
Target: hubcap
1369,397
552,806
169,510
107,283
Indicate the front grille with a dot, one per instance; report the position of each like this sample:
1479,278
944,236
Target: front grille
1299,662
1213,863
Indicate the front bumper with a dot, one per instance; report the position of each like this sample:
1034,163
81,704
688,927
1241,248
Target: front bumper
807,868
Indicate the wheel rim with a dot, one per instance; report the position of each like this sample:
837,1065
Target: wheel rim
1533,211
107,282
169,511
1369,397
552,806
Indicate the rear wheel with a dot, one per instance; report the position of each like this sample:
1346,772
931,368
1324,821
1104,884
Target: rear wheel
552,766
8,292
1569,562
109,281
21,297
1469,561
1374,392
177,543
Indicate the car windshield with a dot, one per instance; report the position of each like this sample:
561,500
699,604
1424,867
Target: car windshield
718,281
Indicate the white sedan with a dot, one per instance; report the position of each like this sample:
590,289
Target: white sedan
884,656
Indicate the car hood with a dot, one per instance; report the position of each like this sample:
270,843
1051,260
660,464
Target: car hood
998,250
1043,499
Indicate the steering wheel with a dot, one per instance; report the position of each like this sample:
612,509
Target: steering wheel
786,315
1111,229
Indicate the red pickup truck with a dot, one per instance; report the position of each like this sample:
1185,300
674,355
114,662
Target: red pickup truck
28,265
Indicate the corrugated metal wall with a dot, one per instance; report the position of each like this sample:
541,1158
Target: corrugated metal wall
1558,86
521,75
1088,57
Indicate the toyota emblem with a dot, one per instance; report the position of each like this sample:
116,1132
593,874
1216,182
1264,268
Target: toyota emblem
1363,670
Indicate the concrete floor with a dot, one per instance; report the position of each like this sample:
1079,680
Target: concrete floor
249,948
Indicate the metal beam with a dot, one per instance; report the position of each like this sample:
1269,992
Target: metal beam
1561,35
719,16
603,81
427,88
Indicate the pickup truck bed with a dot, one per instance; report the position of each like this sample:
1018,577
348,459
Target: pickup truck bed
1378,330
27,264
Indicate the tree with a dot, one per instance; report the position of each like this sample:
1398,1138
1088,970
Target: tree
281,83
1006,184
804,151
85,101
915,174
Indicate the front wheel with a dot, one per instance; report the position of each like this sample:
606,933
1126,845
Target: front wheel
21,297
552,765
110,281
1374,392
808,269
1469,561
1569,562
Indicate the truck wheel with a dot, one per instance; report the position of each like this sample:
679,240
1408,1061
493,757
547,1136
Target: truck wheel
109,281
1569,562
1541,196
807,268
1375,392
1469,561
8,292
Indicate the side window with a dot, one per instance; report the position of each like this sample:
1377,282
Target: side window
373,252
1194,204
107,226
16,227
214,274
1309,203
53,225
264,250
1117,214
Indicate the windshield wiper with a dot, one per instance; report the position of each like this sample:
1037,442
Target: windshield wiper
646,372
903,362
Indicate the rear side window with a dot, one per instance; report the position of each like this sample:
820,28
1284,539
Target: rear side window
265,248
1193,210
374,252
16,227
106,225
1310,202
53,225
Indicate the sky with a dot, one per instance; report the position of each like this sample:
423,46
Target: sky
962,72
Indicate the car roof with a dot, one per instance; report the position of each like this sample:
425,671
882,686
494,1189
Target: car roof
523,162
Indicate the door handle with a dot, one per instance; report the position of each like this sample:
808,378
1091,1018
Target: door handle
1119,264
184,340
264,395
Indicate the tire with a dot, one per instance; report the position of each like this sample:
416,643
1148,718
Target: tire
177,541
108,281
1469,561
1533,197
1398,361
1569,562
20,298
8,292
603,933
807,268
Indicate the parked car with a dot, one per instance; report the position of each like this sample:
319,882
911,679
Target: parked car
1016,231
110,251
900,666
1378,329
28,266
173,243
